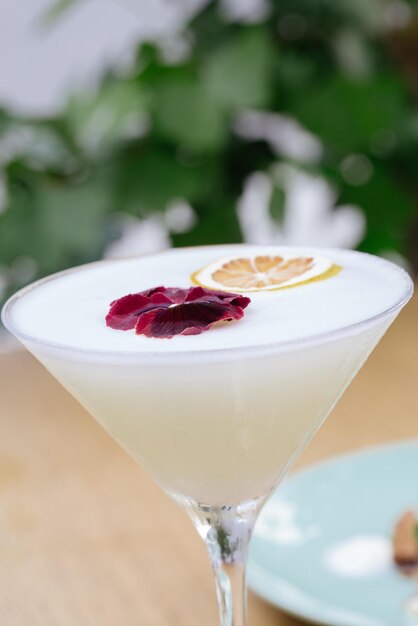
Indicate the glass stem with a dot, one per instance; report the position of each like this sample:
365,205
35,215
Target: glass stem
226,532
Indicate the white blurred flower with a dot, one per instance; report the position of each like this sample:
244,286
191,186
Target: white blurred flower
285,135
397,14
256,223
138,237
247,11
179,216
175,48
310,215
45,64
14,141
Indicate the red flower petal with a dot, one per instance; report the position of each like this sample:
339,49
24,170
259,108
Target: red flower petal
123,313
210,295
175,294
168,311
185,319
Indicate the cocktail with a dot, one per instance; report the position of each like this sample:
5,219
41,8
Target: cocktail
213,367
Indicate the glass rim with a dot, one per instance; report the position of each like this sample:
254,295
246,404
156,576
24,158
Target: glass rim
205,354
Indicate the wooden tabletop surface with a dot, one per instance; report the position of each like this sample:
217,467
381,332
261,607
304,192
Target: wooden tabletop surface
87,538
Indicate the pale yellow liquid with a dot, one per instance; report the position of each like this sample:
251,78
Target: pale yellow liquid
218,430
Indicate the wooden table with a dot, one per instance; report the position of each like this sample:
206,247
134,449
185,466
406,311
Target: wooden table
87,538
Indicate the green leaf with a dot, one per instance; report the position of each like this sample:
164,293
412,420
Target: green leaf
209,29
239,72
390,210
277,203
217,222
72,220
117,112
296,72
186,114
20,229
152,70
52,222
148,177
327,16
347,113
369,14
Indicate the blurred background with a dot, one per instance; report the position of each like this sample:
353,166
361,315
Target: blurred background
127,126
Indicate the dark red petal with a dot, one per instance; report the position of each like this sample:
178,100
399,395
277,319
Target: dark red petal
211,295
235,299
168,311
196,293
123,313
150,292
185,319
175,294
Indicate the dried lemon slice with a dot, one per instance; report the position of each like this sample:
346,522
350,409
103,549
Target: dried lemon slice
264,272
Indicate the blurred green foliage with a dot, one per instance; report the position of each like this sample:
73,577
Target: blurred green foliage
165,130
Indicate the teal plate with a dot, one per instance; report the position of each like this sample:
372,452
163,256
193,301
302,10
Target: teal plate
321,549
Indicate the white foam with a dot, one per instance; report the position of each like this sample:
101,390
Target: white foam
69,309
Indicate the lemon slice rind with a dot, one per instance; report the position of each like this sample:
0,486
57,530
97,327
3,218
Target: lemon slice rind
323,268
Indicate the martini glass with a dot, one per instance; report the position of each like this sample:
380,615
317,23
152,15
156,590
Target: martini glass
218,429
